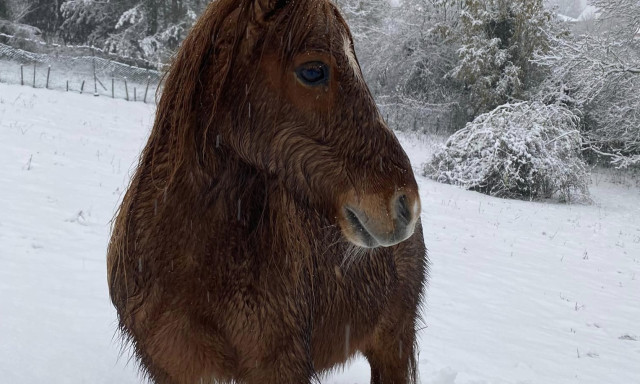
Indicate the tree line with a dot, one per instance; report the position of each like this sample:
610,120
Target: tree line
466,58
148,29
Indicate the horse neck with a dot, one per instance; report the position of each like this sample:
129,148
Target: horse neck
258,201
238,190
220,188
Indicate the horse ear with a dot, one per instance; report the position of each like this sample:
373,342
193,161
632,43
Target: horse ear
265,9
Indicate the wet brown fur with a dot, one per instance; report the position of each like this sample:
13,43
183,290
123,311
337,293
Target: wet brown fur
228,259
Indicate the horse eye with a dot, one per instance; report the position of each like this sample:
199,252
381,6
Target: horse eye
313,74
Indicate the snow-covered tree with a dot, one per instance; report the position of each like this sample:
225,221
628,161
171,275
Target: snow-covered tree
524,150
44,14
149,29
87,21
598,75
370,24
499,37
429,36
365,17
406,49
620,18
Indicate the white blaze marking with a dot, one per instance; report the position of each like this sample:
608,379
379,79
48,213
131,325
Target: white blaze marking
351,56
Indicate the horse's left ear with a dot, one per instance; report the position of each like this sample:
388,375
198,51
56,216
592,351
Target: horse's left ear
265,9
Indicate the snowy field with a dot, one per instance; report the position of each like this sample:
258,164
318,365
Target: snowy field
520,292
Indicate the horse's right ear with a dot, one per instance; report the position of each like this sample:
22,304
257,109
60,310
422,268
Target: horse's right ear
266,9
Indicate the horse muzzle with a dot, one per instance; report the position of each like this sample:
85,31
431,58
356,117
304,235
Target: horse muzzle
375,221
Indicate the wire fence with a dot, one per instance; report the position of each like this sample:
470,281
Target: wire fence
81,69
405,114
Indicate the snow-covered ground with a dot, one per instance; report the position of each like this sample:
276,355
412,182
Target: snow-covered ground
520,292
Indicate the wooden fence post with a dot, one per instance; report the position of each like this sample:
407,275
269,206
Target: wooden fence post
21,74
67,85
82,87
147,89
135,98
113,92
48,73
95,78
126,88
34,75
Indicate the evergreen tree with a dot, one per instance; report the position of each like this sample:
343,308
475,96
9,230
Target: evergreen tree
88,21
499,38
44,14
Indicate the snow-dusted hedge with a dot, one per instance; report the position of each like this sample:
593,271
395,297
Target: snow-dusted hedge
525,150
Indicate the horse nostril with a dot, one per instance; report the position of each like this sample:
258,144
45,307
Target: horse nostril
402,209
365,237
353,219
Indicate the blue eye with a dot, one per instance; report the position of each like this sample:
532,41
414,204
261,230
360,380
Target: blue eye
313,74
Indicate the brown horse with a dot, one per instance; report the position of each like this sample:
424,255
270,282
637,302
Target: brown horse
271,230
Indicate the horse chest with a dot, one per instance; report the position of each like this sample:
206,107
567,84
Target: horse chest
329,287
